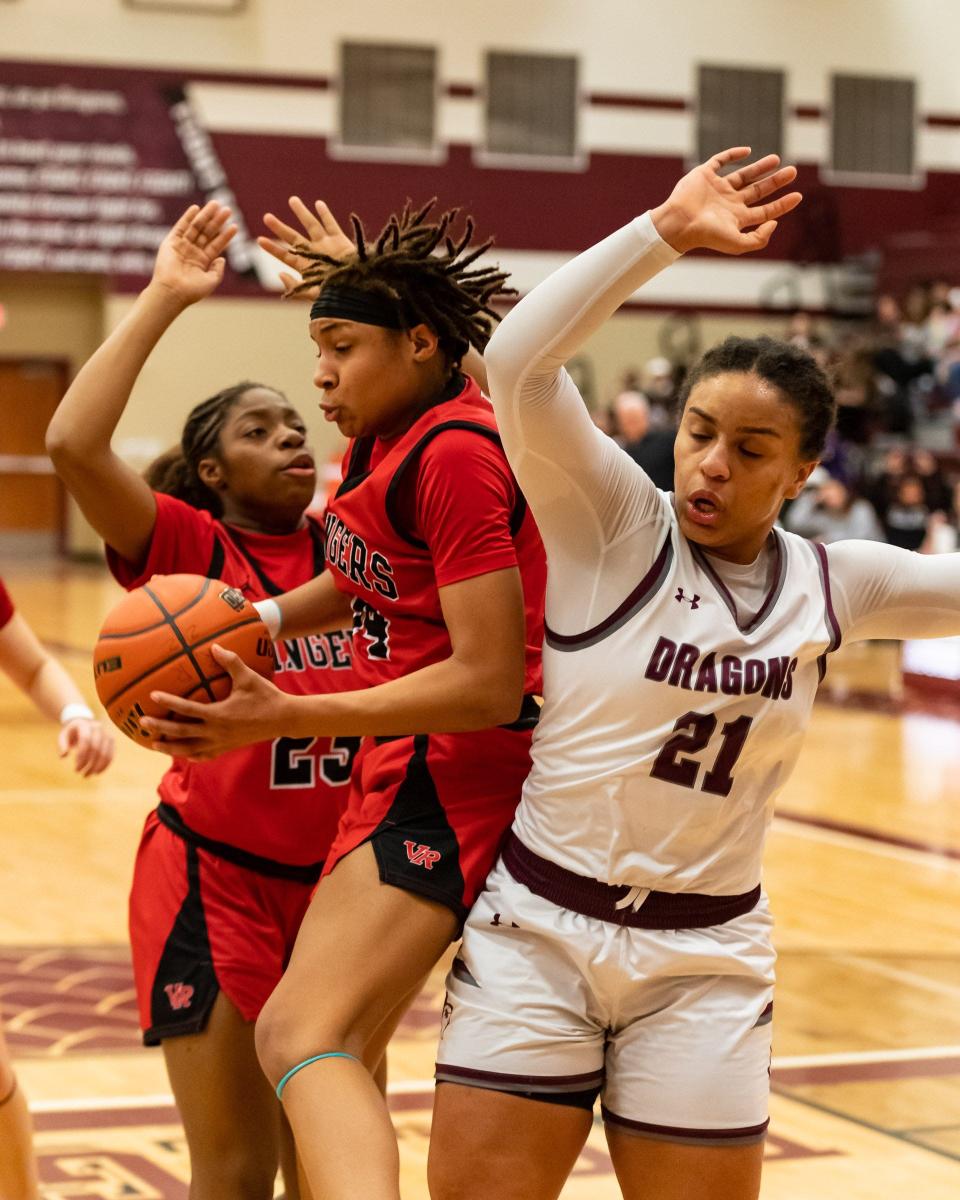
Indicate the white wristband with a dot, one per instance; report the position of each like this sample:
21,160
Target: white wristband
75,711
270,614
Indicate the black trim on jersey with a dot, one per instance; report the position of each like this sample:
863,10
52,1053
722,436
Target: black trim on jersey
358,467
268,585
517,514
823,564
772,596
217,560
641,596
308,873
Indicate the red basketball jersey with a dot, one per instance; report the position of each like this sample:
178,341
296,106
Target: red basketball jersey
282,799
435,506
6,606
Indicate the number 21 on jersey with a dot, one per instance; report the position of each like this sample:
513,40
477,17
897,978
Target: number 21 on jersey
691,734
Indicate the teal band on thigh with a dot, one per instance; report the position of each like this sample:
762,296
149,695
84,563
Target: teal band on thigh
306,1063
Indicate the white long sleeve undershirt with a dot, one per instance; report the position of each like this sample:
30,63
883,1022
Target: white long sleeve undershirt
599,513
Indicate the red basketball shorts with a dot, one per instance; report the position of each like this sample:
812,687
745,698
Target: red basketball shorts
200,925
435,808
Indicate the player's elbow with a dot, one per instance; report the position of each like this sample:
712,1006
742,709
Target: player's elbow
499,360
56,442
497,695
63,445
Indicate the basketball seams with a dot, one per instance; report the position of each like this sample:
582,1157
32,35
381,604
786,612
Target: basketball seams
180,660
205,640
171,621
128,633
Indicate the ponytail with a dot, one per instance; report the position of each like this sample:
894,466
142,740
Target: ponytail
171,474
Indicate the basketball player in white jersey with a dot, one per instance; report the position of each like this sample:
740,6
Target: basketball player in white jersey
622,945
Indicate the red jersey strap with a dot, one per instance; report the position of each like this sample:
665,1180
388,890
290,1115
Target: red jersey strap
236,540
517,514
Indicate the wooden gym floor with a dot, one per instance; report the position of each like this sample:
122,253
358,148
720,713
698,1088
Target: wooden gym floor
863,868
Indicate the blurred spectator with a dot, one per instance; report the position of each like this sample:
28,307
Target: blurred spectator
660,389
936,490
895,465
900,356
856,391
905,523
943,528
828,511
652,449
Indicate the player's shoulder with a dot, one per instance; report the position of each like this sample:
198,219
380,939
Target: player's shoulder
463,447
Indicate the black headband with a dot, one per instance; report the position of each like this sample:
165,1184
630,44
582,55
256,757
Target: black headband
353,304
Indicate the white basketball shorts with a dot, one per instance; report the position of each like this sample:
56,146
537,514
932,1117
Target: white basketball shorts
671,1027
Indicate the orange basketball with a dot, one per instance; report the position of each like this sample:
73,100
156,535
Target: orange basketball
158,638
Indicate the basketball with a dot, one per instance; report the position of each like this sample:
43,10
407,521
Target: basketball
159,638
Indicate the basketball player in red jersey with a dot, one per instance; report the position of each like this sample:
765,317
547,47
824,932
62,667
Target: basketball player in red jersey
229,858
47,685
430,541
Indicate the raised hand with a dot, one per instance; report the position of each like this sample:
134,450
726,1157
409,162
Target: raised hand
730,213
319,230
189,261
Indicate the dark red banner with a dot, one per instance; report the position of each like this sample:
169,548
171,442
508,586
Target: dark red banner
95,166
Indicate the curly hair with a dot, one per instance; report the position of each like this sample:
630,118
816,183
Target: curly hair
426,274
791,370
175,472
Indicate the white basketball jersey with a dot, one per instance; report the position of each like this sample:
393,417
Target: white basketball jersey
668,729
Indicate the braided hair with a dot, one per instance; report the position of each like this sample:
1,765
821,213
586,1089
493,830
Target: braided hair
423,272
175,473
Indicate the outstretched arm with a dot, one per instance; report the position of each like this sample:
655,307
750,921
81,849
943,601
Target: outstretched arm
577,482
114,498
884,592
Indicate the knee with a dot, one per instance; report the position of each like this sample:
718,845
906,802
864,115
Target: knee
288,1032
274,1040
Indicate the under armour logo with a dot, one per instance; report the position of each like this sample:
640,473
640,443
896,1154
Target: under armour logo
422,856
693,601
179,994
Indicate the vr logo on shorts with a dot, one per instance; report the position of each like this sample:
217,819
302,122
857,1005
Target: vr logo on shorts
422,856
180,995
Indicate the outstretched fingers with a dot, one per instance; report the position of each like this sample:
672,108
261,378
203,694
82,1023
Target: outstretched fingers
754,171
732,154
220,242
759,214
312,224
184,223
752,193
281,230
